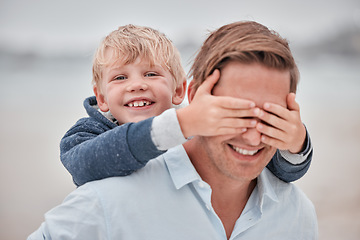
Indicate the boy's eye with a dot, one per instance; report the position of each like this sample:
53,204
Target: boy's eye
121,77
151,74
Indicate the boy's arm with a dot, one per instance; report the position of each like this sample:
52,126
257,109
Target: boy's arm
91,150
289,166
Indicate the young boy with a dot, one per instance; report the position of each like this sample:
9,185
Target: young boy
137,78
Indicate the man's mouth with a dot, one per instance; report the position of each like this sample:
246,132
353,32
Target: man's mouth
139,103
245,151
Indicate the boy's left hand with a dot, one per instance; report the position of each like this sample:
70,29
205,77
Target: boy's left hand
281,127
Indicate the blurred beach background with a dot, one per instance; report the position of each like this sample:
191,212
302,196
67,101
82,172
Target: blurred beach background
46,50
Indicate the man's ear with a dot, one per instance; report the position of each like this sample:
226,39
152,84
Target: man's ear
191,91
179,94
100,98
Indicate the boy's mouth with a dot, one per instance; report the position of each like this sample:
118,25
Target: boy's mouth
139,103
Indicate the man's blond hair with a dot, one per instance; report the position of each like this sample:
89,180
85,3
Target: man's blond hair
246,42
130,42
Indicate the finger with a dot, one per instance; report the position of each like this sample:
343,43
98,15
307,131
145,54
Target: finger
292,104
276,110
233,103
237,123
273,142
271,131
230,131
274,120
210,81
250,113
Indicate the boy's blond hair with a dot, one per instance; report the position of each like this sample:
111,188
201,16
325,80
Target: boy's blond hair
130,42
246,42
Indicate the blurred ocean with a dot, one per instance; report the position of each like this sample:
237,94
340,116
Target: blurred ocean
41,97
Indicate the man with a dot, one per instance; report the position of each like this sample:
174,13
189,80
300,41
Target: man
211,187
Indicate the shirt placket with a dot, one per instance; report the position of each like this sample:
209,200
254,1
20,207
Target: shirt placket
204,191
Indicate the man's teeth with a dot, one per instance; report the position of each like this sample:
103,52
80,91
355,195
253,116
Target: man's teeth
139,103
244,151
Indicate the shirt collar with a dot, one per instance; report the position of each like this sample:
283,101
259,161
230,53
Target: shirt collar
265,184
181,170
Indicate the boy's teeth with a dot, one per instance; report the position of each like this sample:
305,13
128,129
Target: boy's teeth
139,103
244,151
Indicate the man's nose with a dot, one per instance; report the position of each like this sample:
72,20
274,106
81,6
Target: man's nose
252,137
137,84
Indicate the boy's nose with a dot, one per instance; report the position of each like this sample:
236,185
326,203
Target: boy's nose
137,85
252,137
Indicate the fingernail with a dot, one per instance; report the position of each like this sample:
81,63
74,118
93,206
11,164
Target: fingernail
266,105
261,113
244,130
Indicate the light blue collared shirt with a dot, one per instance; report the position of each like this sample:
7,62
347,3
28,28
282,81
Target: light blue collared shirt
167,199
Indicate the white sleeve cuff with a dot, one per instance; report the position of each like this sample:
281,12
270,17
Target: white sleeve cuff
165,130
294,158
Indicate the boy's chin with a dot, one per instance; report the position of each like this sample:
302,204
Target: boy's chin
135,118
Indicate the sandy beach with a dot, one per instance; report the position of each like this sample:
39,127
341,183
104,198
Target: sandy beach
32,179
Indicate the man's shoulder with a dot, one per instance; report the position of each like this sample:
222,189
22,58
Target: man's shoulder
290,198
285,191
291,209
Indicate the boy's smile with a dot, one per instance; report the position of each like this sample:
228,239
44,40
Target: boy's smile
136,91
139,103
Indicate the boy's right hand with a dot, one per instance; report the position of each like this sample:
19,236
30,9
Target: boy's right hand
209,115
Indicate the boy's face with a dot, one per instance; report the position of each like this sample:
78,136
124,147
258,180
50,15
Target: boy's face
244,156
137,91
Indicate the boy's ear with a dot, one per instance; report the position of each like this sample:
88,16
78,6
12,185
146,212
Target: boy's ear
100,98
179,94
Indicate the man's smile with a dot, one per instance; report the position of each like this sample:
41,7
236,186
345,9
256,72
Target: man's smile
245,152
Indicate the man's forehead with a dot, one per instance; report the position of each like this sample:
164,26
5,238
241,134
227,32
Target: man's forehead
261,93
254,82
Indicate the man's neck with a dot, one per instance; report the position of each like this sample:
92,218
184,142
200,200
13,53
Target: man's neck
229,195
229,202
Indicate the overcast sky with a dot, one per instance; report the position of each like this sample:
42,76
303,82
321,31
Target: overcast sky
46,25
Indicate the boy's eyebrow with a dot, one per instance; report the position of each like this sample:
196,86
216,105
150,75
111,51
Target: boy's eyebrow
113,69
116,67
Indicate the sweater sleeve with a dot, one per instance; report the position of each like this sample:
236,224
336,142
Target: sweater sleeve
91,150
282,168
166,132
